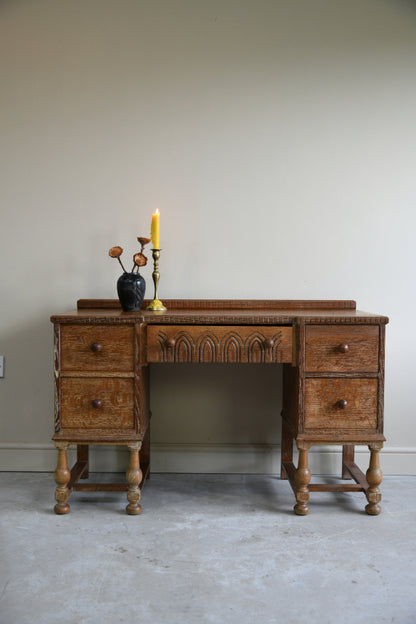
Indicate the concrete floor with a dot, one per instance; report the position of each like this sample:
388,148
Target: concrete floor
208,549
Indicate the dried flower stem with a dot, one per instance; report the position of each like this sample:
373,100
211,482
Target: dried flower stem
122,265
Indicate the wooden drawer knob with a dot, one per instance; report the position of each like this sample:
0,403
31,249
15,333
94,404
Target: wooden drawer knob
97,403
342,404
170,343
343,348
95,347
269,343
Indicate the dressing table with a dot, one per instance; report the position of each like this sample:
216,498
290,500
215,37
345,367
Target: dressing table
332,359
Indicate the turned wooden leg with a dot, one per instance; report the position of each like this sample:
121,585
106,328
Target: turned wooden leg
302,478
347,456
134,477
62,475
374,477
286,448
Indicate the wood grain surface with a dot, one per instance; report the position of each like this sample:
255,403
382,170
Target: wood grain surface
231,304
341,349
116,396
114,348
222,312
322,410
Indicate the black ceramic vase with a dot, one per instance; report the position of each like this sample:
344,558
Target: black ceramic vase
131,288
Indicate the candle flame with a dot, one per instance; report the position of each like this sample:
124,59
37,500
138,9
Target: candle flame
157,211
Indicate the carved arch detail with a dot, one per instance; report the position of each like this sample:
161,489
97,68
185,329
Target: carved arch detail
207,348
276,353
231,348
222,344
255,348
161,340
184,347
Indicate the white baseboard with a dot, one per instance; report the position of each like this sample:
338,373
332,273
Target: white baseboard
202,458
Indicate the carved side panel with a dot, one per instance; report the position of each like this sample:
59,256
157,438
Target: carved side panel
380,403
141,382
57,379
138,399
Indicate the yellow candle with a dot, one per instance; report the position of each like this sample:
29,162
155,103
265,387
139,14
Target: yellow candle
154,230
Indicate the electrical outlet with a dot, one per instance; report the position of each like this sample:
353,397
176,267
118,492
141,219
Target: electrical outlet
1,365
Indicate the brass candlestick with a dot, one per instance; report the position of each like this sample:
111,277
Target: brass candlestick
156,305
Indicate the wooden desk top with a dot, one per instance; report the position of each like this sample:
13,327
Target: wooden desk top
223,311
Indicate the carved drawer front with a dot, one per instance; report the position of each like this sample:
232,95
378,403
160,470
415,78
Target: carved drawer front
98,348
97,403
341,404
222,343
342,349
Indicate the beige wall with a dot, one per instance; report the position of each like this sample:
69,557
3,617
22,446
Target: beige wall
278,140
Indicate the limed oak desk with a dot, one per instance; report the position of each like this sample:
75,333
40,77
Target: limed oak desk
333,381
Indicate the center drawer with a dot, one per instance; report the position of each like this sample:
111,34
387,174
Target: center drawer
220,344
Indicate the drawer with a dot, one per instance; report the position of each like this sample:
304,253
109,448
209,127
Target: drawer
337,349
115,410
341,404
98,348
222,343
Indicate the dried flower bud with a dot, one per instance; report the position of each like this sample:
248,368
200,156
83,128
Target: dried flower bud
115,252
143,241
140,259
